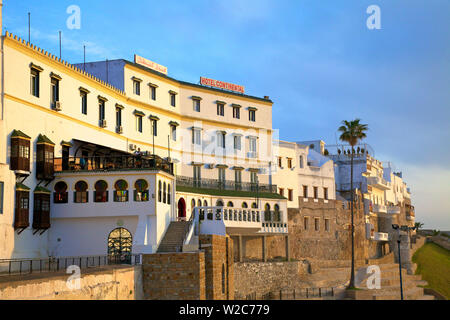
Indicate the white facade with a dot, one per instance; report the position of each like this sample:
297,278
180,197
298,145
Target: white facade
302,172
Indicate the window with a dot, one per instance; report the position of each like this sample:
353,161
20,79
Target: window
159,191
35,82
152,91
253,177
316,224
316,192
305,191
254,205
83,95
276,213
301,162
237,142
54,91
164,193
44,158
280,164
119,117
197,176
244,205
282,192
41,211
20,151
101,110
306,223
22,205
169,194
236,112
252,147
121,191
139,123
196,136
81,194
252,115
327,224
197,105
221,177
290,195
141,190
220,109
60,195
2,188
172,98
238,179
325,193
154,123
289,163
221,139
101,191
173,132
137,87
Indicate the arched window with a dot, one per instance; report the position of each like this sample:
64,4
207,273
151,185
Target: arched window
244,205
60,194
205,203
121,191
199,202
81,194
277,212
254,205
141,190
169,194
159,191
164,193
219,203
267,215
101,191
192,204
230,204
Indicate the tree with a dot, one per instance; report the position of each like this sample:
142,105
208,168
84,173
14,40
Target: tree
352,132
418,225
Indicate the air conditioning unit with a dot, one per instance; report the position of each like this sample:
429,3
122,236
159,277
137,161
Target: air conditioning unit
132,147
103,123
57,106
119,129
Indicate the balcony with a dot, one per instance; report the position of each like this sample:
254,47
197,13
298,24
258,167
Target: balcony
378,182
379,208
112,163
221,220
380,236
216,184
393,209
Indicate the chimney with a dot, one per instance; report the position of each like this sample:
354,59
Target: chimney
265,97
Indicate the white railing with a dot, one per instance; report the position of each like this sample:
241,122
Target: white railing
377,182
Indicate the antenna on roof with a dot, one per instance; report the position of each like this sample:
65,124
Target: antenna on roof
84,57
29,27
106,70
60,45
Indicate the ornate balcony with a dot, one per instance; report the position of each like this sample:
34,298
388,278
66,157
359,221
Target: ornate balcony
112,163
183,181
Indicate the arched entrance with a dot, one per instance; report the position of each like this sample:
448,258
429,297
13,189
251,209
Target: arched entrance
181,209
119,245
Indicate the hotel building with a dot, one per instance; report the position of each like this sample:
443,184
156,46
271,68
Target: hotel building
106,157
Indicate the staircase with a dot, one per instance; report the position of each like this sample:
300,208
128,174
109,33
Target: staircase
390,284
174,237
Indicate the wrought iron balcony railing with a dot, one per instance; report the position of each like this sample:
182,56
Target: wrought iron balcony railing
107,163
224,185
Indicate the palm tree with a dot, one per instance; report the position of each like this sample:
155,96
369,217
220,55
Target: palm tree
418,225
352,132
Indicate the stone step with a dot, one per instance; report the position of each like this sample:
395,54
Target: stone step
426,297
409,294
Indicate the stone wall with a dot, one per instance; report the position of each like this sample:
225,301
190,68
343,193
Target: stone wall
174,276
105,283
264,277
205,274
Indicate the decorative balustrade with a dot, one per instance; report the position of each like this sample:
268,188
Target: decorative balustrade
183,181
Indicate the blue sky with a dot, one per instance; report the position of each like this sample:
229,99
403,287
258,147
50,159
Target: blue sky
316,60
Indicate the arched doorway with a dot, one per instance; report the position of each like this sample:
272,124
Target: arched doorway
119,245
181,209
